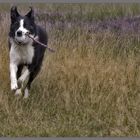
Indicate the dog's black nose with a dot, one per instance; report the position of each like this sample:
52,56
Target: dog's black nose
19,33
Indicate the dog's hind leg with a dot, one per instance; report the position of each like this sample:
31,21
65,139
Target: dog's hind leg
23,79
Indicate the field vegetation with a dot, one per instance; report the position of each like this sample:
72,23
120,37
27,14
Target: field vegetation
90,86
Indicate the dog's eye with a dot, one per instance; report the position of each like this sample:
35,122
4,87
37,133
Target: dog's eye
16,23
31,27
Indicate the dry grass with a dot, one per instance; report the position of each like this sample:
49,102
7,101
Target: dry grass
89,87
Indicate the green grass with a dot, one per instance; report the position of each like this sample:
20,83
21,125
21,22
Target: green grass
89,87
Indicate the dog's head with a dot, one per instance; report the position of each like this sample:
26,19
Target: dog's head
22,25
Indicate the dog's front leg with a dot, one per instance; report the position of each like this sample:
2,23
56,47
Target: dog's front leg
13,72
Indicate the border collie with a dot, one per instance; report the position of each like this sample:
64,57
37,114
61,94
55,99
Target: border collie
26,55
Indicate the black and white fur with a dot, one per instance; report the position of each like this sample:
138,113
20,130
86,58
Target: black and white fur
26,56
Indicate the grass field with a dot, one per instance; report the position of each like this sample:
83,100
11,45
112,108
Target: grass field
90,86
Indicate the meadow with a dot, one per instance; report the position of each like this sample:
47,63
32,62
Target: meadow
90,86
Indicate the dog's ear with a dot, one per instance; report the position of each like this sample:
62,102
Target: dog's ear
30,14
14,13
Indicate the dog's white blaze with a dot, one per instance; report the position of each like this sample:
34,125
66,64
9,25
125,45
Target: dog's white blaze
21,22
21,27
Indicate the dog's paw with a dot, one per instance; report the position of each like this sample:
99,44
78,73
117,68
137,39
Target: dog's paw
14,86
26,93
18,92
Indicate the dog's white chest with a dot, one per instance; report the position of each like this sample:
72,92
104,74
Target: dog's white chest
21,54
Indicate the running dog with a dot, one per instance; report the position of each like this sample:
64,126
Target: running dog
25,54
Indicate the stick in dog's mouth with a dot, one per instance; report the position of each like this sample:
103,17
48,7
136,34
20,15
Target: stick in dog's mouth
35,40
